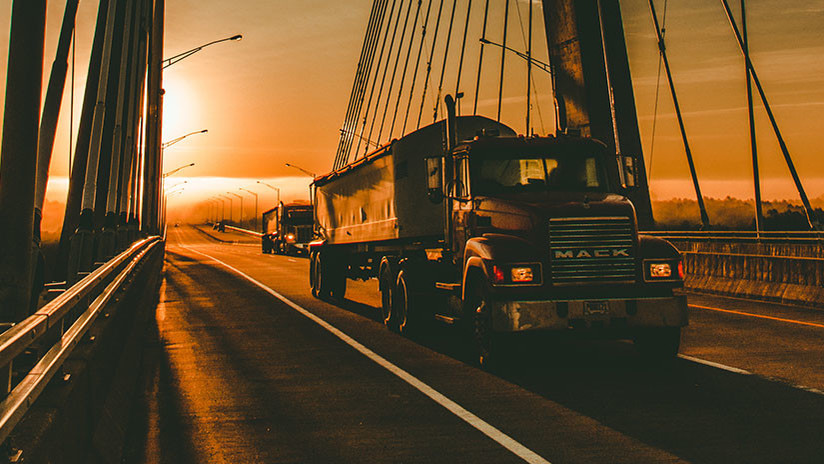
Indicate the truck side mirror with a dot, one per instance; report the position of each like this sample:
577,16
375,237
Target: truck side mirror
628,167
434,179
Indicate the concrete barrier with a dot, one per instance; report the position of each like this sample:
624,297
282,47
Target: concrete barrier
787,279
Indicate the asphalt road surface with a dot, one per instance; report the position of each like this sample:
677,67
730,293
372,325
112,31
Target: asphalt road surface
244,366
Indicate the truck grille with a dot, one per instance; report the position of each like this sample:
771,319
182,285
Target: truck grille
304,234
584,250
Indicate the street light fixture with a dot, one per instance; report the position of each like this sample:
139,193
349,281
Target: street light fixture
181,56
168,144
256,204
165,175
169,189
230,206
308,173
273,188
540,64
241,206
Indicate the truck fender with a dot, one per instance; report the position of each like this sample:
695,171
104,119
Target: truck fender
473,264
653,247
500,247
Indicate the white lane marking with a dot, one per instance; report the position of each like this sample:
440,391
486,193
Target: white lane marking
715,365
487,429
736,370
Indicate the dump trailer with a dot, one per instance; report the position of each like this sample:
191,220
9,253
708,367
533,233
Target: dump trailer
287,228
466,223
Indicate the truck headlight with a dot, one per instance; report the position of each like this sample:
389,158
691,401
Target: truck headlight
290,238
660,270
516,274
522,274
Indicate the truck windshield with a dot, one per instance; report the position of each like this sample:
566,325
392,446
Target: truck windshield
299,218
534,172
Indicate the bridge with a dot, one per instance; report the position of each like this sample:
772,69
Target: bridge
143,336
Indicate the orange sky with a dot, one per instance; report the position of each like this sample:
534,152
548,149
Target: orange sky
280,94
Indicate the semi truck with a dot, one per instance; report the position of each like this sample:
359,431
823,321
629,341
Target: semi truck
464,222
287,228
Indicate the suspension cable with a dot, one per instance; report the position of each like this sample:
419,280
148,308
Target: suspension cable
417,65
481,58
361,78
445,56
429,63
394,72
385,70
528,68
352,96
461,60
503,60
405,66
657,92
372,88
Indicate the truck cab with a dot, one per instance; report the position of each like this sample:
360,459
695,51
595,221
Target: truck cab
541,237
288,228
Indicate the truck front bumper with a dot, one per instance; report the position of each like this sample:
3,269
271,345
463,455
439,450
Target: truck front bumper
517,316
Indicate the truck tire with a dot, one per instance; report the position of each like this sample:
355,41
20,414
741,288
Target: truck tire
387,278
658,344
488,346
404,305
313,281
323,289
328,276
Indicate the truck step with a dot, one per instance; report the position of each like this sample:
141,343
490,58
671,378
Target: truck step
447,319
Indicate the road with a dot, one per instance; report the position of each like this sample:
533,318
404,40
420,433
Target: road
243,365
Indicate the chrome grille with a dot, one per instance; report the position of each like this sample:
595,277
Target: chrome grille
584,250
304,234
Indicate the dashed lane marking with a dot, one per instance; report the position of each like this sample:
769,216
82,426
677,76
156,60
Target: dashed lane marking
484,427
760,316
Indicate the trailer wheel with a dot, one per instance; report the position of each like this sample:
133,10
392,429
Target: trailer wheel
659,344
313,279
489,349
322,287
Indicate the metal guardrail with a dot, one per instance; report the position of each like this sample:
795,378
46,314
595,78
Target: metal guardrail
245,231
791,236
50,318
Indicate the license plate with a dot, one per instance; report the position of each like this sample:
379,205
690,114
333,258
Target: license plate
596,307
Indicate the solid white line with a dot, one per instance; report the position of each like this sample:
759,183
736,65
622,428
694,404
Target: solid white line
743,372
487,429
715,365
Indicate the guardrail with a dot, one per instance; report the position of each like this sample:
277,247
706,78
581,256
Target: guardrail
792,236
51,320
245,231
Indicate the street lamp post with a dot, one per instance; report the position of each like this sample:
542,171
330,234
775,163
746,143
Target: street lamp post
182,56
165,175
308,173
240,221
277,202
256,204
168,144
230,206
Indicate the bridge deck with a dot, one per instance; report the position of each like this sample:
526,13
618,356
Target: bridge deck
237,375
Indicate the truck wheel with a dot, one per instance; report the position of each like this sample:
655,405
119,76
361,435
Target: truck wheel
488,346
402,303
659,344
322,287
313,281
338,282
387,280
